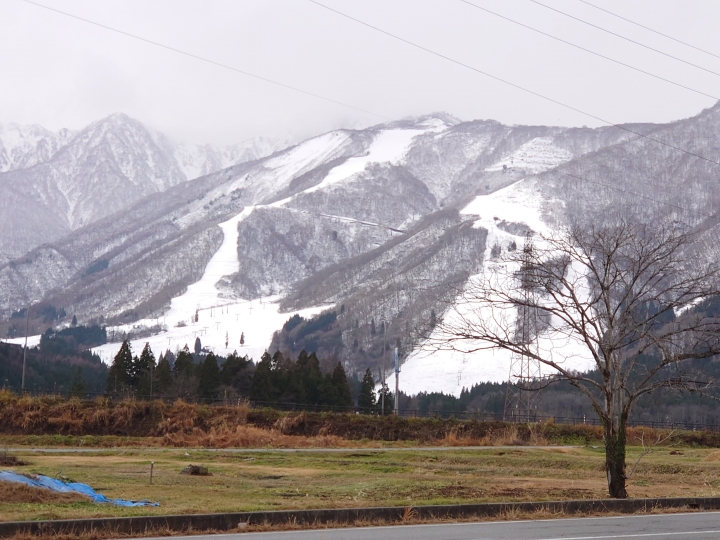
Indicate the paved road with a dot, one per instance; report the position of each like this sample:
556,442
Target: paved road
695,526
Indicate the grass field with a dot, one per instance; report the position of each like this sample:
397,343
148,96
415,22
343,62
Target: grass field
273,480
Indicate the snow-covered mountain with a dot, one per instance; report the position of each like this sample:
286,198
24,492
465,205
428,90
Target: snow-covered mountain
55,183
381,225
197,160
24,146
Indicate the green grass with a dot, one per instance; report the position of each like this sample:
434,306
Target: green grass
245,481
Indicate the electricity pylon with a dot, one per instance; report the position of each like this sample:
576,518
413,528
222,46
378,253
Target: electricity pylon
522,399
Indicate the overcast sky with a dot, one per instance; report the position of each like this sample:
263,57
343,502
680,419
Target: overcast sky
57,71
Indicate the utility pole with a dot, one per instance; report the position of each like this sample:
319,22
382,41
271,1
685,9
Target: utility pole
27,325
382,396
152,374
397,383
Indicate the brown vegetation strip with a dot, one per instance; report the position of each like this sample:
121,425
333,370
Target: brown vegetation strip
182,424
11,492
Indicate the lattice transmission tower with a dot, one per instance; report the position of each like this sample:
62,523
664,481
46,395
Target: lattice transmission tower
522,399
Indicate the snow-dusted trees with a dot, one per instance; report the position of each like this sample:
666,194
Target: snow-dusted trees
628,297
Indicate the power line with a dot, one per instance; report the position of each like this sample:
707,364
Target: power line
623,37
514,85
589,51
207,60
650,29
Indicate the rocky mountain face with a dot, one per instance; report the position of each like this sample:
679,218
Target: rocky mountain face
201,159
376,225
54,183
24,146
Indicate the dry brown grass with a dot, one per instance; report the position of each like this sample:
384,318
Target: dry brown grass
248,437
20,493
181,423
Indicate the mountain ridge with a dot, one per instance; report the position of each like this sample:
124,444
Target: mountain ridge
377,220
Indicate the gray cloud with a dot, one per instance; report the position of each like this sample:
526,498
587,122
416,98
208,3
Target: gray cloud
60,72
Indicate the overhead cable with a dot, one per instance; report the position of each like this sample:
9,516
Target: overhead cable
623,37
509,83
650,29
208,60
590,51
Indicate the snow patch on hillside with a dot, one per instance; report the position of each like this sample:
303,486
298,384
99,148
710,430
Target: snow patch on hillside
507,215
255,320
389,146
204,311
535,156
32,341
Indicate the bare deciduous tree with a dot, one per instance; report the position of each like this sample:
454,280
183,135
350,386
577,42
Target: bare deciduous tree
623,295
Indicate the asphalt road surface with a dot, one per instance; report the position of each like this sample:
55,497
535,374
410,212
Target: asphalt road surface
694,526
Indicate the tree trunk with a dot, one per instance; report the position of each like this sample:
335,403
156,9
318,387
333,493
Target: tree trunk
615,439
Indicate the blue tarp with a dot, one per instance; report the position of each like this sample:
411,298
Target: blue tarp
41,481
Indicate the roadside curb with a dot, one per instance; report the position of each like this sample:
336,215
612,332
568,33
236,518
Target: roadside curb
392,514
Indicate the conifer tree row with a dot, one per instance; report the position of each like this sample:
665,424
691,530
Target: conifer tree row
275,379
280,380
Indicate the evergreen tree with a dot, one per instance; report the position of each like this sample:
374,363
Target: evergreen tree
372,327
170,357
120,374
74,321
366,400
198,345
230,369
388,406
185,382
184,364
144,372
262,388
209,377
163,376
341,387
307,379
277,361
77,388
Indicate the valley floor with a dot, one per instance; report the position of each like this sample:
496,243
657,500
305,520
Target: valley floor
274,480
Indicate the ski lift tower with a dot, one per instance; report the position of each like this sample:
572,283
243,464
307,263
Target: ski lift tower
522,399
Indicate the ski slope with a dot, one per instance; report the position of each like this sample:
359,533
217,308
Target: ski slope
389,146
221,320
449,372
32,341
204,311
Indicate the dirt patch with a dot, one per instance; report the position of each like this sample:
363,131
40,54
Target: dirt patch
461,492
10,492
6,460
518,494
713,456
